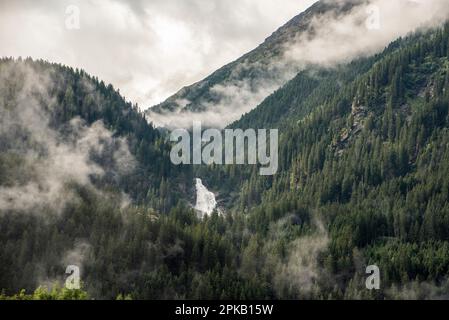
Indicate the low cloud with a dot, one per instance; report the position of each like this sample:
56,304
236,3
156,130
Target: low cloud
40,160
235,98
330,38
365,30
416,290
298,275
78,255
148,49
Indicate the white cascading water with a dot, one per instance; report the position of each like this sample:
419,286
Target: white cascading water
205,200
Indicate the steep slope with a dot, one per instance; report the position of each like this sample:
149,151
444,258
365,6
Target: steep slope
241,85
362,181
370,162
329,33
85,181
68,121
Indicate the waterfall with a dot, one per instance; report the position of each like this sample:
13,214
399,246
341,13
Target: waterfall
205,200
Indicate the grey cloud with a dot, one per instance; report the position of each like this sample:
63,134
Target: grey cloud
330,39
299,274
148,49
78,255
46,161
339,39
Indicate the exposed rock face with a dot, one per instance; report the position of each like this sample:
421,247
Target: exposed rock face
359,114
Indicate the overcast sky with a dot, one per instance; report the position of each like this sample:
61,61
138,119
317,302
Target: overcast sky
147,49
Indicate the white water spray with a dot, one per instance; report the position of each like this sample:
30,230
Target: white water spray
205,200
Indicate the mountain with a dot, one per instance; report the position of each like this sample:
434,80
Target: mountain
363,160
85,181
236,88
48,109
362,181
328,34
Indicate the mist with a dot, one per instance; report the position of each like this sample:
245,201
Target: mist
330,39
148,49
46,161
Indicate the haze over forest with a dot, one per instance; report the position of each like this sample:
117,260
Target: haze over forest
357,89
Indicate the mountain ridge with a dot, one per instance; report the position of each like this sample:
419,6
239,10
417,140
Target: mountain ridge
257,74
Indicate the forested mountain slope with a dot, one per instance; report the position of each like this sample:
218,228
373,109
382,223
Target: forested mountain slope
45,106
363,150
239,86
76,162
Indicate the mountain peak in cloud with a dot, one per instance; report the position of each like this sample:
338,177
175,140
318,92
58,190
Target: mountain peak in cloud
326,34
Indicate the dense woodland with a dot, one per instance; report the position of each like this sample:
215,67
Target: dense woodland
363,179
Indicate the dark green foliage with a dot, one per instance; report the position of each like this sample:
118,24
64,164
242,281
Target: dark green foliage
369,157
363,179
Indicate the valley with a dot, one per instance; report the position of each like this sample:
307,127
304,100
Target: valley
87,179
